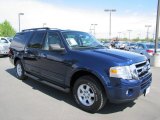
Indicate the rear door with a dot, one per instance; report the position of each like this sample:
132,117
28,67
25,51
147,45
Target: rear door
32,53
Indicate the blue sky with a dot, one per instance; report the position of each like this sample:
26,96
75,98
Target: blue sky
142,6
79,15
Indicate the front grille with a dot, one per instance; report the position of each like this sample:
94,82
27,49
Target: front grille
146,81
143,68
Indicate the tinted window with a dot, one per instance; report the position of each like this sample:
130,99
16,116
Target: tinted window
20,39
36,40
52,38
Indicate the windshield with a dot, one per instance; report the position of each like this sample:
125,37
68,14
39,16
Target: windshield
3,41
78,40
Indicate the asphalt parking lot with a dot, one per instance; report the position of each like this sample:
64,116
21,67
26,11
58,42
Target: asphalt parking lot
31,100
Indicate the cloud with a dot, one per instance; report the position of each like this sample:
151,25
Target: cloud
36,13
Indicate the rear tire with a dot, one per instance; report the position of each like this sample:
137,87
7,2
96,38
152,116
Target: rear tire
88,94
20,71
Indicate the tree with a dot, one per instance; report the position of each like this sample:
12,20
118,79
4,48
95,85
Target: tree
6,30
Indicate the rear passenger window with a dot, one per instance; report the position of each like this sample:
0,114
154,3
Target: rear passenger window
36,40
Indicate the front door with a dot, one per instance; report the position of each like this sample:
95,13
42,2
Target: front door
53,65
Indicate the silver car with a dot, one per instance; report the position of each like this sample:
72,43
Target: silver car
120,45
146,49
4,46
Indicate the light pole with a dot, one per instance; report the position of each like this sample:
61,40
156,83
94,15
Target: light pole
19,20
147,26
110,24
157,27
156,57
119,35
94,28
139,35
129,34
44,24
124,35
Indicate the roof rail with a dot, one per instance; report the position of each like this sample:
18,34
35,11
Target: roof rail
33,29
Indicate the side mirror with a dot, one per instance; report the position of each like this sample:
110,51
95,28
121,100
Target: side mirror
56,47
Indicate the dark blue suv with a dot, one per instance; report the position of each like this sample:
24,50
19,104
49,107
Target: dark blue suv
74,61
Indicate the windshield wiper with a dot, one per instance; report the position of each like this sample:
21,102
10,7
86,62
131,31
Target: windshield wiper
88,47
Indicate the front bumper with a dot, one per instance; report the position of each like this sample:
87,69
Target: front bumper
128,91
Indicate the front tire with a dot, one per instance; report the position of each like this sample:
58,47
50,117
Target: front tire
20,71
88,94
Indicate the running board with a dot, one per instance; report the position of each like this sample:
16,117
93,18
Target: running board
66,90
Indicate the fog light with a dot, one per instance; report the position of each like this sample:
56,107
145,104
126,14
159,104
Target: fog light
129,92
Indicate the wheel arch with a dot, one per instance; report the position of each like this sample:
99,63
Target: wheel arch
82,72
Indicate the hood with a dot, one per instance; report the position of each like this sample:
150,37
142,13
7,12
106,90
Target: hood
113,56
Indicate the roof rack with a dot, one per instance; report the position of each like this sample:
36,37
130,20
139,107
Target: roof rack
43,28
33,29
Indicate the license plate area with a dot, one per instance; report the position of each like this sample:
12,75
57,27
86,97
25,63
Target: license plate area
147,91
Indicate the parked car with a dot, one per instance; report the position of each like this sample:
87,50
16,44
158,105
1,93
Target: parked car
9,39
107,44
126,46
4,46
146,49
113,44
120,45
75,61
131,46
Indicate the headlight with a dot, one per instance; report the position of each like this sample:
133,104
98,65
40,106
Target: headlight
121,72
148,67
124,72
134,72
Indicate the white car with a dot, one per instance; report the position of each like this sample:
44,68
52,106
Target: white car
120,45
4,46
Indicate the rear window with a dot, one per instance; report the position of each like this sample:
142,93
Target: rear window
20,39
